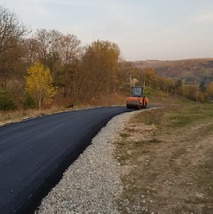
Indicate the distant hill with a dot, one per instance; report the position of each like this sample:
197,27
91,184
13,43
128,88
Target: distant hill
192,71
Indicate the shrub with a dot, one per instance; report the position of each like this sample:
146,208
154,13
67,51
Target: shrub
29,101
6,102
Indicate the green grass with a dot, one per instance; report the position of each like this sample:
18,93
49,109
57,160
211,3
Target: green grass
188,114
177,116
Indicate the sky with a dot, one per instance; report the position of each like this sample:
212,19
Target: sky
143,29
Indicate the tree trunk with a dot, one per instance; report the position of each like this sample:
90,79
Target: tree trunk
39,104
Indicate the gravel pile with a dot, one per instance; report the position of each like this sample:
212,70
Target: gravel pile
92,183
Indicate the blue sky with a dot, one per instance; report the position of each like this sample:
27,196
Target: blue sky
143,29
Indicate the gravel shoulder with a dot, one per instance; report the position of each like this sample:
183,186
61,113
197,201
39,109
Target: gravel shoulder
92,183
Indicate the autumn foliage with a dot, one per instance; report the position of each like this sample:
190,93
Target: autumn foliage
39,84
33,66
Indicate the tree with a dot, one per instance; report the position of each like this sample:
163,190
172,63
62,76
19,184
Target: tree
6,102
210,90
10,29
70,54
99,64
191,92
60,53
39,84
123,76
179,87
150,77
11,51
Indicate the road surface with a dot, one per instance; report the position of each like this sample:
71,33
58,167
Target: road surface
35,153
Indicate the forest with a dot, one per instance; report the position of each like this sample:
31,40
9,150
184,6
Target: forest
43,67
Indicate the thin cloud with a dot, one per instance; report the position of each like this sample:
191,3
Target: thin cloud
207,17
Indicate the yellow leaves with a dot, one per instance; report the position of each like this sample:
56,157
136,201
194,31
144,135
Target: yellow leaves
39,83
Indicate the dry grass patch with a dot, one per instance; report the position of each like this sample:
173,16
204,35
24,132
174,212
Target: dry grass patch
166,161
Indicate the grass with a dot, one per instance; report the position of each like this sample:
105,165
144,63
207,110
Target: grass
151,117
18,115
177,116
205,177
124,135
61,105
167,156
189,114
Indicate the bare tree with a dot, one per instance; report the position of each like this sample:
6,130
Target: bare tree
61,53
10,29
11,38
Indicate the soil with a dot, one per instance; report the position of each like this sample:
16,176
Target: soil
167,172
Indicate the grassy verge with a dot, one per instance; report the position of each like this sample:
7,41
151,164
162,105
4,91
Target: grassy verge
166,158
19,115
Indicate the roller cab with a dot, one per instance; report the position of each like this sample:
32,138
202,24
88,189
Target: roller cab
137,99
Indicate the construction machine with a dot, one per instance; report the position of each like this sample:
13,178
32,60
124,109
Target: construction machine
137,99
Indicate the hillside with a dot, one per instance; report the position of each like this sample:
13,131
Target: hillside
192,71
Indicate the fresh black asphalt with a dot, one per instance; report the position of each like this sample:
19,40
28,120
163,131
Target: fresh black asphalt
34,153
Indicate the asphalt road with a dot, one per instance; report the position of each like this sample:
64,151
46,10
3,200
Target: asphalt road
35,153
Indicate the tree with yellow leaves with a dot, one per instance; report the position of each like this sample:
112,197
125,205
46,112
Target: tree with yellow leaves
39,84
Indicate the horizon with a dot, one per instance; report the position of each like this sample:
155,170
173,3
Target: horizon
186,59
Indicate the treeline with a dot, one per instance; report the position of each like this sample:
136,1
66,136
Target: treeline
79,72
148,77
191,71
49,66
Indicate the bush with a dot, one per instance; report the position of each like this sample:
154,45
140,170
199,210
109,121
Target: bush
6,102
147,91
29,102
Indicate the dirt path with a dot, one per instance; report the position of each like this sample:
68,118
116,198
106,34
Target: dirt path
168,171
